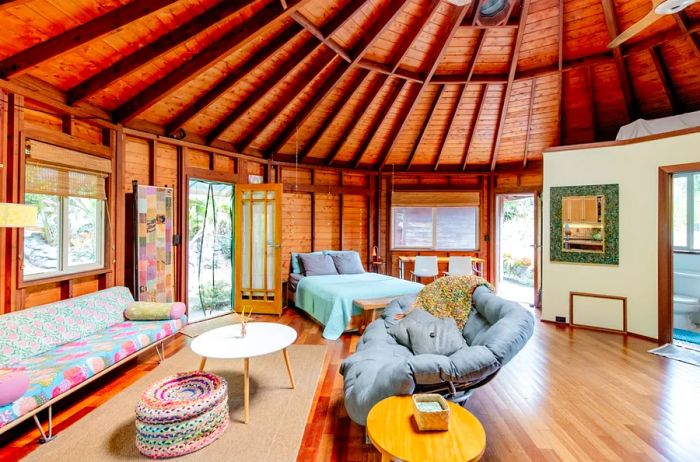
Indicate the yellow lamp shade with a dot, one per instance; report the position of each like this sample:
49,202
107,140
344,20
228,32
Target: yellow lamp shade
17,215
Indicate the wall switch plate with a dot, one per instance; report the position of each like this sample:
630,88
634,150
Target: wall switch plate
560,319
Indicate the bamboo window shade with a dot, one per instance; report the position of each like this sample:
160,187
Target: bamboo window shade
435,199
44,179
64,172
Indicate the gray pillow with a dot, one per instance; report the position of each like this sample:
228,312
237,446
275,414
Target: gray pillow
317,264
400,330
348,263
439,337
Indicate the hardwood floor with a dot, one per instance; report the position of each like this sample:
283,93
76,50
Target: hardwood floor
570,395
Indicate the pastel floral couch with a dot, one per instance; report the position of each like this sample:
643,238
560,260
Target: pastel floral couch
63,344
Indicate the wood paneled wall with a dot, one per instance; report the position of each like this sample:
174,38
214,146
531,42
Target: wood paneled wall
323,208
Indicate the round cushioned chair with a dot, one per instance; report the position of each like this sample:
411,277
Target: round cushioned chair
495,332
181,414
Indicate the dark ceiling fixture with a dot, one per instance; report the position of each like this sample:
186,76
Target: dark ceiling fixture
178,134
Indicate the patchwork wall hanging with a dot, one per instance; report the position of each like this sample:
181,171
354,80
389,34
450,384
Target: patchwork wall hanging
153,232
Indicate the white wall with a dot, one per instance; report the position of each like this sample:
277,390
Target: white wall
635,168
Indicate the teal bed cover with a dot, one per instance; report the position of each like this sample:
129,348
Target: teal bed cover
329,299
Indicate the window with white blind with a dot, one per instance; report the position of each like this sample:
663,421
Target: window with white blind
435,220
70,233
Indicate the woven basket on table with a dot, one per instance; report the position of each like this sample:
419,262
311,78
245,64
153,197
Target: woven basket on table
433,420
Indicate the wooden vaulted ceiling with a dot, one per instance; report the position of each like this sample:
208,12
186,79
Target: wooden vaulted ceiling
414,85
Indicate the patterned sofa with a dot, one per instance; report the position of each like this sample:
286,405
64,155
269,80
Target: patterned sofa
63,345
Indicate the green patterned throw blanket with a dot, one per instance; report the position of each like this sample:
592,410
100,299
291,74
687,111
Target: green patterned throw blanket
451,296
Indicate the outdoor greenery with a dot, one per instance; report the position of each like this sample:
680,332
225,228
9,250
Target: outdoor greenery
517,236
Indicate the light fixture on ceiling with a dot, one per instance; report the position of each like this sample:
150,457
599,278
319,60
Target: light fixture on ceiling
659,9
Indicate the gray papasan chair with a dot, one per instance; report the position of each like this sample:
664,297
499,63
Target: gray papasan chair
495,332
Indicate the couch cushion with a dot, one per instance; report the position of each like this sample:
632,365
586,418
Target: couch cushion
399,331
36,330
56,371
438,337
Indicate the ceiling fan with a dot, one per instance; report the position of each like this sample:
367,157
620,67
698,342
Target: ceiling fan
660,8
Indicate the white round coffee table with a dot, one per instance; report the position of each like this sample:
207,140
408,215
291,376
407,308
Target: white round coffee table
262,338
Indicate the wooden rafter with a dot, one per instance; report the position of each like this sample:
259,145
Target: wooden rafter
620,64
162,45
472,129
408,39
511,80
289,95
316,32
426,122
308,108
531,104
72,38
458,14
665,77
270,81
227,44
364,106
231,79
450,125
342,17
691,37
377,121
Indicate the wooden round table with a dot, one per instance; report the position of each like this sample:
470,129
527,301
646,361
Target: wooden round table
393,431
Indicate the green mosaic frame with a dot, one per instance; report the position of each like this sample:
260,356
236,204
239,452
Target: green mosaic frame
611,256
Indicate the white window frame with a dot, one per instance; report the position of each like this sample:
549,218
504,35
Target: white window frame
690,212
434,219
64,248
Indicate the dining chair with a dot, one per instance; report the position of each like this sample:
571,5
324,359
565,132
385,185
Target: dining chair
425,267
459,266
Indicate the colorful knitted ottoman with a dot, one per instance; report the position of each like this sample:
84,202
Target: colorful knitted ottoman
181,414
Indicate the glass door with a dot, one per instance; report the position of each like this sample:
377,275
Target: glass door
515,278
258,248
210,249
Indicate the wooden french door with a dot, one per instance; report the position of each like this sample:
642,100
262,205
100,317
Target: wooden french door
258,255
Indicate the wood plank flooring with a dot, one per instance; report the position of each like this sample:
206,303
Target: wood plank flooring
570,395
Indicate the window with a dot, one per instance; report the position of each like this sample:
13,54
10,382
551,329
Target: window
435,228
686,211
70,232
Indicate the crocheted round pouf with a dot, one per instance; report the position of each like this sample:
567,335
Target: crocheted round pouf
181,414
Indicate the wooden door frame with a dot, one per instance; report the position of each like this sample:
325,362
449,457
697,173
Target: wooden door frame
498,206
665,248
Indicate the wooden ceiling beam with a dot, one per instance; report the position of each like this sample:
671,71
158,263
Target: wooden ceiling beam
457,15
270,81
364,105
342,17
285,99
309,107
151,51
666,81
231,79
531,104
686,28
426,122
472,126
511,79
378,120
450,125
227,44
408,39
620,64
21,62
316,32
6,4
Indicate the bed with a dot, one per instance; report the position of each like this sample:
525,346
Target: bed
329,299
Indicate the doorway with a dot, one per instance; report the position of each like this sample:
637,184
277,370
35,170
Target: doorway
210,268
515,247
679,255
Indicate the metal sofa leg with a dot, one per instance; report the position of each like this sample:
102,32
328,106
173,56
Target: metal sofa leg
48,436
160,350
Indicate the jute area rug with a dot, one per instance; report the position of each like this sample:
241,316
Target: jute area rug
277,413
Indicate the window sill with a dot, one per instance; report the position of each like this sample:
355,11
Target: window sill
62,277
687,251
